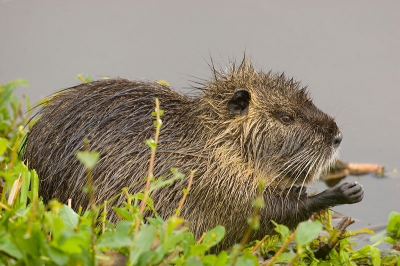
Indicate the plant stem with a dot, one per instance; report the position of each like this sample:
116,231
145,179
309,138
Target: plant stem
185,194
287,242
103,222
259,243
151,167
81,78
201,238
89,176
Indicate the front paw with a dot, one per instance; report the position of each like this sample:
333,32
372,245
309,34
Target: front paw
349,192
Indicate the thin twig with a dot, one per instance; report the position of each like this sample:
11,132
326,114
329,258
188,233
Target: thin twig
185,194
103,220
151,168
201,238
259,243
152,159
81,78
283,247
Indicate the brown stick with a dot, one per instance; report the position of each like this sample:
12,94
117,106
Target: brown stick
359,168
324,248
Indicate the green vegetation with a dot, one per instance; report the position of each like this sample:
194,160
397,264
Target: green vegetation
32,233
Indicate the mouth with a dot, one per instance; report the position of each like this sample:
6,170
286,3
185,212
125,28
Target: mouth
301,172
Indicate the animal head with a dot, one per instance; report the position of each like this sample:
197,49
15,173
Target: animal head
272,123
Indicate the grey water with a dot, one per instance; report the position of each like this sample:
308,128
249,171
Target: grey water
347,53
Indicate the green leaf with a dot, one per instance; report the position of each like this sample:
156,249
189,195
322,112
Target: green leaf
69,216
172,223
343,253
254,222
149,200
157,221
176,173
172,241
161,182
187,242
15,103
29,244
154,113
209,259
9,248
222,259
147,257
88,159
157,123
118,238
57,255
393,227
193,261
242,261
151,143
375,256
214,236
250,257
144,239
286,256
389,240
259,203
74,245
123,213
281,229
20,82
23,195
3,145
34,185
361,253
6,91
199,249
307,231
56,224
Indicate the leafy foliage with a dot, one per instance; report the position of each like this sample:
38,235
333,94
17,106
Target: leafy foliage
32,233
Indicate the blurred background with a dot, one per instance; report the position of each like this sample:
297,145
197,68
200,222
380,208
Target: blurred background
346,52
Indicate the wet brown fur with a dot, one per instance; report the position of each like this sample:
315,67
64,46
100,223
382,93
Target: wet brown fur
230,152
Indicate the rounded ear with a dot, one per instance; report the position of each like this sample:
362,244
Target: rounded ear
239,103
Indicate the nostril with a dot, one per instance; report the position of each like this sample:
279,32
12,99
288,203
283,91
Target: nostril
337,140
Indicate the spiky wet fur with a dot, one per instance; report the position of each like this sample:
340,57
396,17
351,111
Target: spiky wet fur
229,152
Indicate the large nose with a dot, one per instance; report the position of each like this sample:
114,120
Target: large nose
337,140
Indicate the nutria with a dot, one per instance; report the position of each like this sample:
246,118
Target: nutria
245,125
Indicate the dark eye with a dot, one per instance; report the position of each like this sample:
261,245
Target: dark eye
286,119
